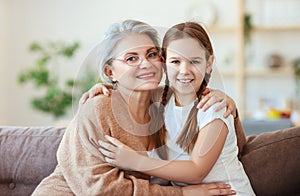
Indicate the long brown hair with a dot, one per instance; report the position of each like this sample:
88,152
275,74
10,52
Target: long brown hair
160,136
190,130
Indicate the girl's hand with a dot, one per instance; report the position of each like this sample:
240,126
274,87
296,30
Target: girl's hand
117,154
97,89
211,96
208,189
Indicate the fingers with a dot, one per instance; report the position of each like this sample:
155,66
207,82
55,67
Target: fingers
215,185
220,189
94,91
230,106
234,112
107,154
208,189
110,161
206,91
224,104
215,96
111,149
106,92
116,153
100,89
210,99
203,101
107,146
83,98
229,110
114,141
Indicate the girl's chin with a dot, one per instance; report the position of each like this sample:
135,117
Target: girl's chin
184,89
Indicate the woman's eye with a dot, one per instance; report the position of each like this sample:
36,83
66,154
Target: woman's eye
152,55
132,59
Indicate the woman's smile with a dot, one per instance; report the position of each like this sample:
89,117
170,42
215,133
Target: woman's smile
146,76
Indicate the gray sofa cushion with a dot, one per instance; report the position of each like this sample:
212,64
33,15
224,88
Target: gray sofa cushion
27,155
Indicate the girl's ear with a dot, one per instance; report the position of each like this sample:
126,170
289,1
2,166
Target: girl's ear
210,63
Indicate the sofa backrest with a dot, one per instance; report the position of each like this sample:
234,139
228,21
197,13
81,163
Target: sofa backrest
27,155
272,162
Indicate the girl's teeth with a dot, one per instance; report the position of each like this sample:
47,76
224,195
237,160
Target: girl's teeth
185,81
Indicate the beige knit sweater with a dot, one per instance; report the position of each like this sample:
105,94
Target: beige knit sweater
80,170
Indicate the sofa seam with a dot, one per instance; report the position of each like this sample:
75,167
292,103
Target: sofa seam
262,146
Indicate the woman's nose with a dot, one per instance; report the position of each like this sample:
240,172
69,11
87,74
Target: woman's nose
144,64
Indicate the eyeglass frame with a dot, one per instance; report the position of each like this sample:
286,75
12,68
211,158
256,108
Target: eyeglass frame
140,58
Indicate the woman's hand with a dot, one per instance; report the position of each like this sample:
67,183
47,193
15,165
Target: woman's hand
208,189
117,154
97,89
212,96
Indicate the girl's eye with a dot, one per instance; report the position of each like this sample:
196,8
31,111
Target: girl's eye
195,62
175,62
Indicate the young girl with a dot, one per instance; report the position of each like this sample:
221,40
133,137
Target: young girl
201,146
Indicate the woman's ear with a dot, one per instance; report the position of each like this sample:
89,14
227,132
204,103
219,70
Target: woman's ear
210,63
109,73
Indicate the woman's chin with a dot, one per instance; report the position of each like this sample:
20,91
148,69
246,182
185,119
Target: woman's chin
147,86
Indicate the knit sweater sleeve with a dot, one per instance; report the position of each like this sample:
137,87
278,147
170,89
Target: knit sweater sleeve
85,172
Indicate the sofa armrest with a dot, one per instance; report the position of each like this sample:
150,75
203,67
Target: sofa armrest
272,160
27,155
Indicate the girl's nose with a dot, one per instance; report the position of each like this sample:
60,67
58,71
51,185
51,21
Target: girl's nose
183,68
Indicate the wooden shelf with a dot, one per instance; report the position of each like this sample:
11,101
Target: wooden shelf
221,29
240,72
276,28
281,72
261,73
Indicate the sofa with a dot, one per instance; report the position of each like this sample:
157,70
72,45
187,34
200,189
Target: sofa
28,154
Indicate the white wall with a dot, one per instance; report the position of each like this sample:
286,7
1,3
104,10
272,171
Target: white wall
3,61
22,22
38,20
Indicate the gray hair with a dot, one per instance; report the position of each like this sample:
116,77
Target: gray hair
116,33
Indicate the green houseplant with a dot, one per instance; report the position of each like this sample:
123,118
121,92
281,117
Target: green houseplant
57,95
248,26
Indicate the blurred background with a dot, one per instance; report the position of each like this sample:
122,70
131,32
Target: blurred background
44,45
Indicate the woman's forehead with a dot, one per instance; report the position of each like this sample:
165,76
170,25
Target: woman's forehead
134,43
